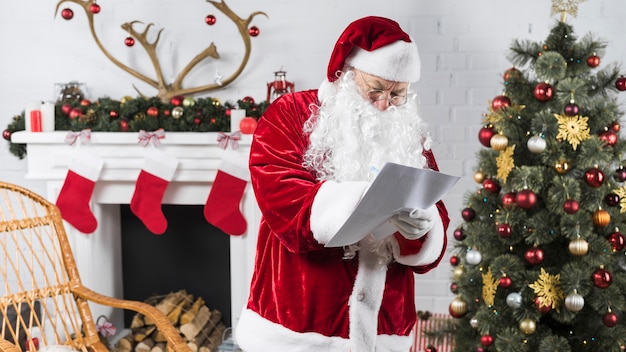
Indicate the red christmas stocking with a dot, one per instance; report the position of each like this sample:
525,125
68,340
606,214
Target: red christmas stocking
222,208
75,195
154,177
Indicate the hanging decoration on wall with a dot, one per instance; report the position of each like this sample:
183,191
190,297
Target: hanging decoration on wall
167,90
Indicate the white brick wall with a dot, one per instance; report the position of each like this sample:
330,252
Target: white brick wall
463,45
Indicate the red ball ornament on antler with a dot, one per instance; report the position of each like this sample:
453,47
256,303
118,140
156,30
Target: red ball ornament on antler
210,19
484,136
254,31
500,102
94,8
593,60
129,41
526,199
620,83
543,92
67,14
602,278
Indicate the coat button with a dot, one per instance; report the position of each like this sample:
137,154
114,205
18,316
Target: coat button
360,297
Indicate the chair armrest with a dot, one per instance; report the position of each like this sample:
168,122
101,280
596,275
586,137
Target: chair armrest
6,346
175,341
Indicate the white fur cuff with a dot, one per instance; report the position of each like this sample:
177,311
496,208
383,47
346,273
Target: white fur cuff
431,249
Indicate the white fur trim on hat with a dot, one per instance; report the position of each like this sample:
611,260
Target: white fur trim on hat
398,62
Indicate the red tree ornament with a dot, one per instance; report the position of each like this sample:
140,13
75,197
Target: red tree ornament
511,73
620,174
66,108
505,282
620,83
500,102
75,112
210,19
248,100
484,136
454,260
611,199
468,214
602,278
491,185
593,61
247,125
594,177
430,348
534,255
129,41
94,8
526,199
177,100
486,340
459,235
254,31
610,319
114,114
571,109
505,230
153,111
616,239
609,136
542,308
543,92
571,206
454,287
124,126
508,199
615,126
67,14
6,134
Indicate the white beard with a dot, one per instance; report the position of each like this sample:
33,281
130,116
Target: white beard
350,138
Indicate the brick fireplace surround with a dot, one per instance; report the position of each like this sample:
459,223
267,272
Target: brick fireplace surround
98,255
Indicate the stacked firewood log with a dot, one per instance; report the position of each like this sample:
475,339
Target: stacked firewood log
200,326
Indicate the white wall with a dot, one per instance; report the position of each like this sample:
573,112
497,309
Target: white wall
463,45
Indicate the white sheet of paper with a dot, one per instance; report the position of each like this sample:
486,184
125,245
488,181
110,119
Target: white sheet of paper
396,188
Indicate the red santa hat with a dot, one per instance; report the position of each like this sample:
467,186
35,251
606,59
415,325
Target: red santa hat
377,46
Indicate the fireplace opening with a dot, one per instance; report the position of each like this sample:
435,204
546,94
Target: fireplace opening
192,255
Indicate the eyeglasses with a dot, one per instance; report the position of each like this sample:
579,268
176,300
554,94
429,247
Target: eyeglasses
375,95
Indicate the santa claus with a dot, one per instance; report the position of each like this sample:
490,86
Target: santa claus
313,156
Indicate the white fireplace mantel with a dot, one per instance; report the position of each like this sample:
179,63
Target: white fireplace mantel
98,255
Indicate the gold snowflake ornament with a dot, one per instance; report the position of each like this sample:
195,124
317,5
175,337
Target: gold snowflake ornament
565,7
621,192
505,163
548,288
490,285
573,129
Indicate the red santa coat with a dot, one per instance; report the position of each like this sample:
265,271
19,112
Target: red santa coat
300,295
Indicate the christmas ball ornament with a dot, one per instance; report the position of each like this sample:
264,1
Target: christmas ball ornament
474,322
511,73
129,41
248,100
458,272
153,111
210,19
486,340
562,167
124,126
499,142
468,214
177,112
6,134
541,307
505,230
459,235
578,247
85,102
473,257
615,126
430,348
500,102
254,31
216,102
484,136
571,206
491,185
574,302
114,114
601,218
454,287
514,300
247,125
458,308
197,120
620,83
594,177
610,319
610,137
536,144
611,199
526,199
505,282
479,176
189,101
620,174
94,8
571,109
616,239
508,199
602,278
593,61
543,92
534,256
527,326
66,108
67,14
75,112
454,260
177,100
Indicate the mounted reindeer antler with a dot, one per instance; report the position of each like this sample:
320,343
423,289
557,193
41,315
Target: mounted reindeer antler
165,90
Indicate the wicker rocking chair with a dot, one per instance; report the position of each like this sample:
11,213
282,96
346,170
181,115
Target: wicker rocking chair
42,300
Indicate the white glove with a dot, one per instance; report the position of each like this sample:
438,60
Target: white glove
416,223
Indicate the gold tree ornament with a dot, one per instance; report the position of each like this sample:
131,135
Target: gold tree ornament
168,90
573,129
548,289
505,163
565,7
621,193
490,285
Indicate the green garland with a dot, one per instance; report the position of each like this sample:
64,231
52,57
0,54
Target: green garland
180,114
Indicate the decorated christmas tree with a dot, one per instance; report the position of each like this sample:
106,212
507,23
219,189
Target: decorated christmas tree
539,261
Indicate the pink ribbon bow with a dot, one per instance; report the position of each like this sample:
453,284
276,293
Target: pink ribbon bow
106,329
146,137
84,135
223,140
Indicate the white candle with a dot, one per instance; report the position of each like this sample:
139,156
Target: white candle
30,106
47,117
236,115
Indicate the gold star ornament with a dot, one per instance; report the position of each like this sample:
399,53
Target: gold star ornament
573,129
565,7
